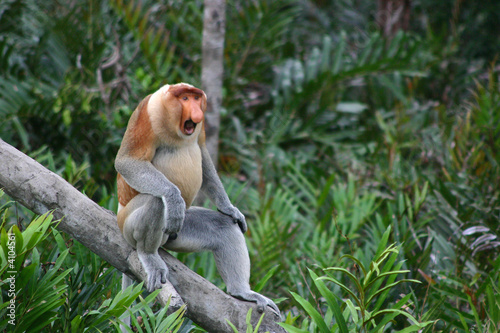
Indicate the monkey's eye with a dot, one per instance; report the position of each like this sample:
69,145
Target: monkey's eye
196,97
185,98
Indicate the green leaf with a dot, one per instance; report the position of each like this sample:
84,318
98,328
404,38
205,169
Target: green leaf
339,53
383,242
354,311
358,301
311,311
383,275
288,328
235,330
331,300
349,275
464,323
476,315
263,281
416,328
389,317
390,286
356,260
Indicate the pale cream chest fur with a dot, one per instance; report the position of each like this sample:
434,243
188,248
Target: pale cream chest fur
182,166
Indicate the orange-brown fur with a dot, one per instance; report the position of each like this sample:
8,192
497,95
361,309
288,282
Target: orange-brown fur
125,192
140,147
123,213
178,90
141,138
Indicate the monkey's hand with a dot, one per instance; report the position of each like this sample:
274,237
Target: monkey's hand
237,216
175,212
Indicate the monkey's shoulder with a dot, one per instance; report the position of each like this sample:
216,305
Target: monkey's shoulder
183,167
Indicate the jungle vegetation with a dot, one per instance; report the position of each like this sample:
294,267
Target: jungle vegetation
367,161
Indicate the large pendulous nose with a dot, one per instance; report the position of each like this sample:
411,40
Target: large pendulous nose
196,115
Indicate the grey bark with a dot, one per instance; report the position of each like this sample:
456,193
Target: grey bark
214,29
40,190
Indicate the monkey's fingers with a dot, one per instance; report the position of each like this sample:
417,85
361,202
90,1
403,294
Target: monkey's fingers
237,217
242,225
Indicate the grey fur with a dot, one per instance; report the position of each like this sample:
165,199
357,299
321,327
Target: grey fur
145,229
208,230
213,188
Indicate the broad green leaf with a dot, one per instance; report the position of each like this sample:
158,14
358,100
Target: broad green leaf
316,317
331,300
287,327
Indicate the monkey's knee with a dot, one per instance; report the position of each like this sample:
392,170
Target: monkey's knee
143,219
206,230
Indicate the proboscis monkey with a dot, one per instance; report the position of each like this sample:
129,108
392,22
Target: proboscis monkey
162,164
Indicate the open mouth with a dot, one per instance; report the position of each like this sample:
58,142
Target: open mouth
189,127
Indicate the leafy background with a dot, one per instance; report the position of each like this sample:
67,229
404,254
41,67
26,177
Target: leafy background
336,141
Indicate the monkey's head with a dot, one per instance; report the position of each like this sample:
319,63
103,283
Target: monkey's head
180,109
185,106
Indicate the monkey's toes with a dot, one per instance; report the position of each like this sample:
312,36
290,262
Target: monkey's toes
263,301
156,279
274,307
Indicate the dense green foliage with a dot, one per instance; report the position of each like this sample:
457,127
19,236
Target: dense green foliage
335,140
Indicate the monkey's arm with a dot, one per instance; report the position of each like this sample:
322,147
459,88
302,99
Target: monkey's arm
142,176
212,187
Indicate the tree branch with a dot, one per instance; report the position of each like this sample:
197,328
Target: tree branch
40,190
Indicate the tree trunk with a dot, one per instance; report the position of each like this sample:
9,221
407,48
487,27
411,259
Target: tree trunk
40,190
214,29
393,15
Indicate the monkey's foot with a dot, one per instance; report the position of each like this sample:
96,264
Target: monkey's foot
155,268
262,301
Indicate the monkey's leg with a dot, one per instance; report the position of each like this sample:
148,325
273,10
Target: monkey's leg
143,228
203,230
